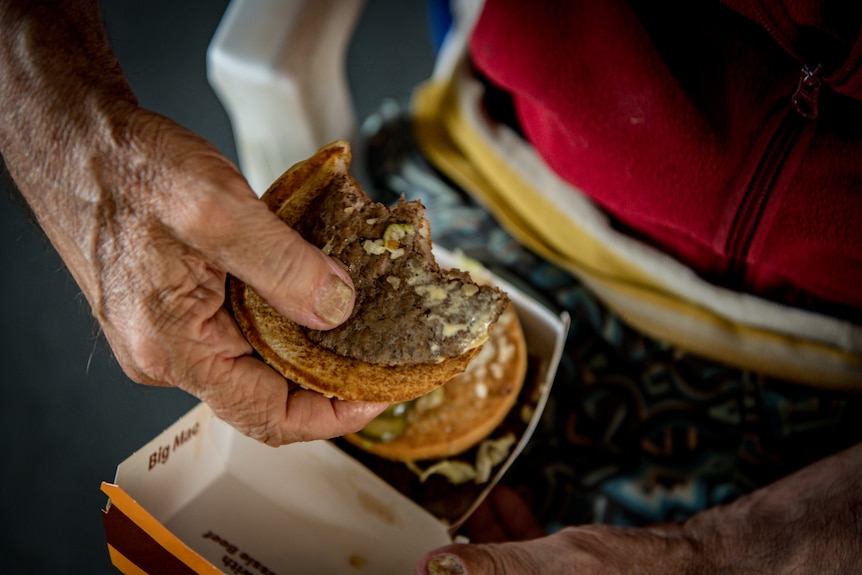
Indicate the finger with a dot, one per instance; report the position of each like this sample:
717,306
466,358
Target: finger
586,550
491,559
537,556
256,401
543,556
232,228
296,278
310,415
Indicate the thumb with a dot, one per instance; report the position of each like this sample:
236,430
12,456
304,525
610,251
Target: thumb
203,201
486,559
296,278
586,550
293,276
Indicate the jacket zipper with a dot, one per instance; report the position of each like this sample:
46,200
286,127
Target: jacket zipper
759,188
800,113
802,108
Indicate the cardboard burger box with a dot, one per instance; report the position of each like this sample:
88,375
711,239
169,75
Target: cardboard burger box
202,498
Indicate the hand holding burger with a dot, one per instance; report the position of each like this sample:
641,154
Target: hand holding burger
149,218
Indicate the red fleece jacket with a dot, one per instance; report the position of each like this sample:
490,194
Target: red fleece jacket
678,118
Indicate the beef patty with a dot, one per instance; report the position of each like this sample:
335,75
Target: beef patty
407,309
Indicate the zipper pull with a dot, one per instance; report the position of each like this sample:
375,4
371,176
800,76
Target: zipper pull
808,92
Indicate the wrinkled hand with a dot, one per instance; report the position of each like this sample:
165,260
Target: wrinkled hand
808,522
149,218
167,221
590,550
149,229
506,538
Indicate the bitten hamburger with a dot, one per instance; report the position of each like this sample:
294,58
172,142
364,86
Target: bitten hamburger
414,325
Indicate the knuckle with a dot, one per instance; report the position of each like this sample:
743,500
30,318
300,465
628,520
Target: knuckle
143,361
205,219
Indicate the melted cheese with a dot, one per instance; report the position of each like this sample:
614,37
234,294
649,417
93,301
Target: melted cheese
452,306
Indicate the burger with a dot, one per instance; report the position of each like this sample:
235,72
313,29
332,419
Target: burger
414,325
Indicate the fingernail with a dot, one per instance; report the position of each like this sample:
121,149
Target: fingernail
332,302
445,565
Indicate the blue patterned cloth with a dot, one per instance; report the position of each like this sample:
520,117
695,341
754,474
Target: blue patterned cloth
635,431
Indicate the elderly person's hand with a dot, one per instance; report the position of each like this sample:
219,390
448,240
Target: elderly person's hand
808,522
149,218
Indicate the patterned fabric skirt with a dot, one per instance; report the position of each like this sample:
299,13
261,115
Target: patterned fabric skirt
635,431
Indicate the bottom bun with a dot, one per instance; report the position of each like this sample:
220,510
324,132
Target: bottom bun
464,411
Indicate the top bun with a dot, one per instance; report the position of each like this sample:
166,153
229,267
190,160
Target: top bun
414,325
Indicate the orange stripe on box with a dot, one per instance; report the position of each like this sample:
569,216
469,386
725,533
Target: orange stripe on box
142,539
122,563
136,548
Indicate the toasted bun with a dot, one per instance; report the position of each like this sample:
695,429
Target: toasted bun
473,403
297,353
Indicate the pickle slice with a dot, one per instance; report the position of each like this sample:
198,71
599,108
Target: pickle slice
388,425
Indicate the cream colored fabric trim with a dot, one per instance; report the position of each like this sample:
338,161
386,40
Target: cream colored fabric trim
650,290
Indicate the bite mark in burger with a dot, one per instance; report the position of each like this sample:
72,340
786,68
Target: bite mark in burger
414,325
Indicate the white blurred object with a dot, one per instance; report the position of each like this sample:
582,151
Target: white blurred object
465,13
278,67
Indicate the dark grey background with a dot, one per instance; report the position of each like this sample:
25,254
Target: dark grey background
68,415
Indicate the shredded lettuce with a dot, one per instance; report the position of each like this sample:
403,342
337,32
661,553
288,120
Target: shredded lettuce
490,453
